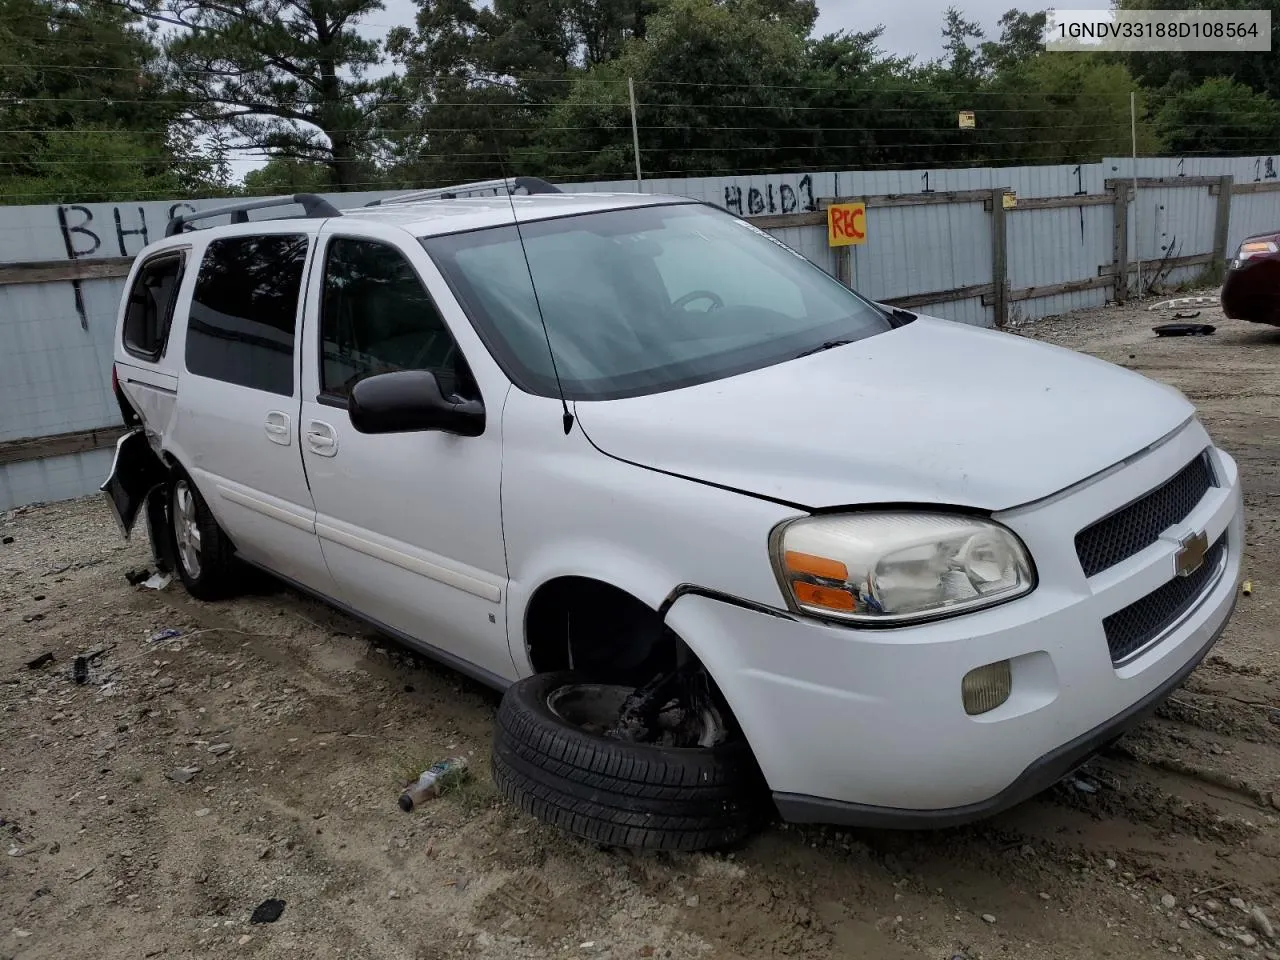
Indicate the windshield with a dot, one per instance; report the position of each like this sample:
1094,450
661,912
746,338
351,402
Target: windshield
644,299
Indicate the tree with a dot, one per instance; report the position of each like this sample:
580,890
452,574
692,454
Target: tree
87,112
867,110
1021,40
1056,108
1176,71
732,107
286,176
1218,116
963,61
288,78
483,77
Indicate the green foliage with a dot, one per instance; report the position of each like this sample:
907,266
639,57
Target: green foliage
730,111
1062,108
287,176
86,109
1219,114
94,164
1177,71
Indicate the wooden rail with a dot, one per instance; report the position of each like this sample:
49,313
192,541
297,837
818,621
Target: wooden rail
49,271
59,445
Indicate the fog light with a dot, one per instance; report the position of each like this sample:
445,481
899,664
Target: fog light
985,688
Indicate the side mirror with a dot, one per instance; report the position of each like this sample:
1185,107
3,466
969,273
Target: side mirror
411,400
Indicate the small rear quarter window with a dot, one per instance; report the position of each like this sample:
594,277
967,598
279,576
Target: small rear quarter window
149,310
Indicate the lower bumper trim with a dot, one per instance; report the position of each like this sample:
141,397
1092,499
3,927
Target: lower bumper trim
1038,777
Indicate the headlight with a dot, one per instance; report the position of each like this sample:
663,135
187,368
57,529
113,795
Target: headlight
888,569
1255,248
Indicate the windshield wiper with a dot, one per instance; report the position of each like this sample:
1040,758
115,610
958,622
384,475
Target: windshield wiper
825,345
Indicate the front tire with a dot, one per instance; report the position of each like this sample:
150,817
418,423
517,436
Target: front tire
620,793
203,556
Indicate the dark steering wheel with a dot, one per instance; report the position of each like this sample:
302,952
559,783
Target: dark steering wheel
692,295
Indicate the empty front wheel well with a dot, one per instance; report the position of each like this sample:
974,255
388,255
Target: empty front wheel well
598,629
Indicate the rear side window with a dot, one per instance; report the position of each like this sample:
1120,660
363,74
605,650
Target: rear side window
244,311
149,310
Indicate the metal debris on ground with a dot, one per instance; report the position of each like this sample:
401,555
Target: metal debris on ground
157,581
1247,587
80,670
268,911
7,541
169,634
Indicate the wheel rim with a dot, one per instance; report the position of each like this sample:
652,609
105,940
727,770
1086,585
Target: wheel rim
186,529
593,707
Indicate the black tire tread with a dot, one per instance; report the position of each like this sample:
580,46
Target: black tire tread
608,795
582,818
622,794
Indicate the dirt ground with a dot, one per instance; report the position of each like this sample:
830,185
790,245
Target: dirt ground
303,726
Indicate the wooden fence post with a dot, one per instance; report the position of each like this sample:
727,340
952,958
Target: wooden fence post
1222,222
1120,239
999,259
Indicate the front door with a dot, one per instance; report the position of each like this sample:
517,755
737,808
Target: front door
409,523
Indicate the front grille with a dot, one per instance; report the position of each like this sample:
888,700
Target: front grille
1130,630
1132,529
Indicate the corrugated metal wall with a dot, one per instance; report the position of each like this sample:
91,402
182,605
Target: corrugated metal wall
55,350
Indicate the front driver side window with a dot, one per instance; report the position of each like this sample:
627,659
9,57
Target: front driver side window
377,317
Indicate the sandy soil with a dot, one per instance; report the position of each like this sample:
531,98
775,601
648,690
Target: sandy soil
304,726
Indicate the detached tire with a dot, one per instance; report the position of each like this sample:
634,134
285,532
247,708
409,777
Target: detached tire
617,793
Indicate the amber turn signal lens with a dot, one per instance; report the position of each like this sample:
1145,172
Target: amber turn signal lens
812,595
815,566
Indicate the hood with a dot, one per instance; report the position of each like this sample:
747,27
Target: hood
931,412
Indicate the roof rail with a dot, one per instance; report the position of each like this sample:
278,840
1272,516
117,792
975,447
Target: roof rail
529,185
312,206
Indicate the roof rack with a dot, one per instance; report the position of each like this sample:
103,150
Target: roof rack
529,185
312,206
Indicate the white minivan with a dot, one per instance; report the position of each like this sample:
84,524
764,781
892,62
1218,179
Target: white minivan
734,540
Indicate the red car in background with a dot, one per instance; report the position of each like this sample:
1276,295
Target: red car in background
1251,290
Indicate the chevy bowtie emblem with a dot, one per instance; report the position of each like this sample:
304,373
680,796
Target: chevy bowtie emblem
1190,555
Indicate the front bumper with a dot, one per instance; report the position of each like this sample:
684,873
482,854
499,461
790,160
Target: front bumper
1039,776
867,726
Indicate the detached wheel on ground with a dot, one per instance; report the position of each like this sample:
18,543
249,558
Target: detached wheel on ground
553,758
202,553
